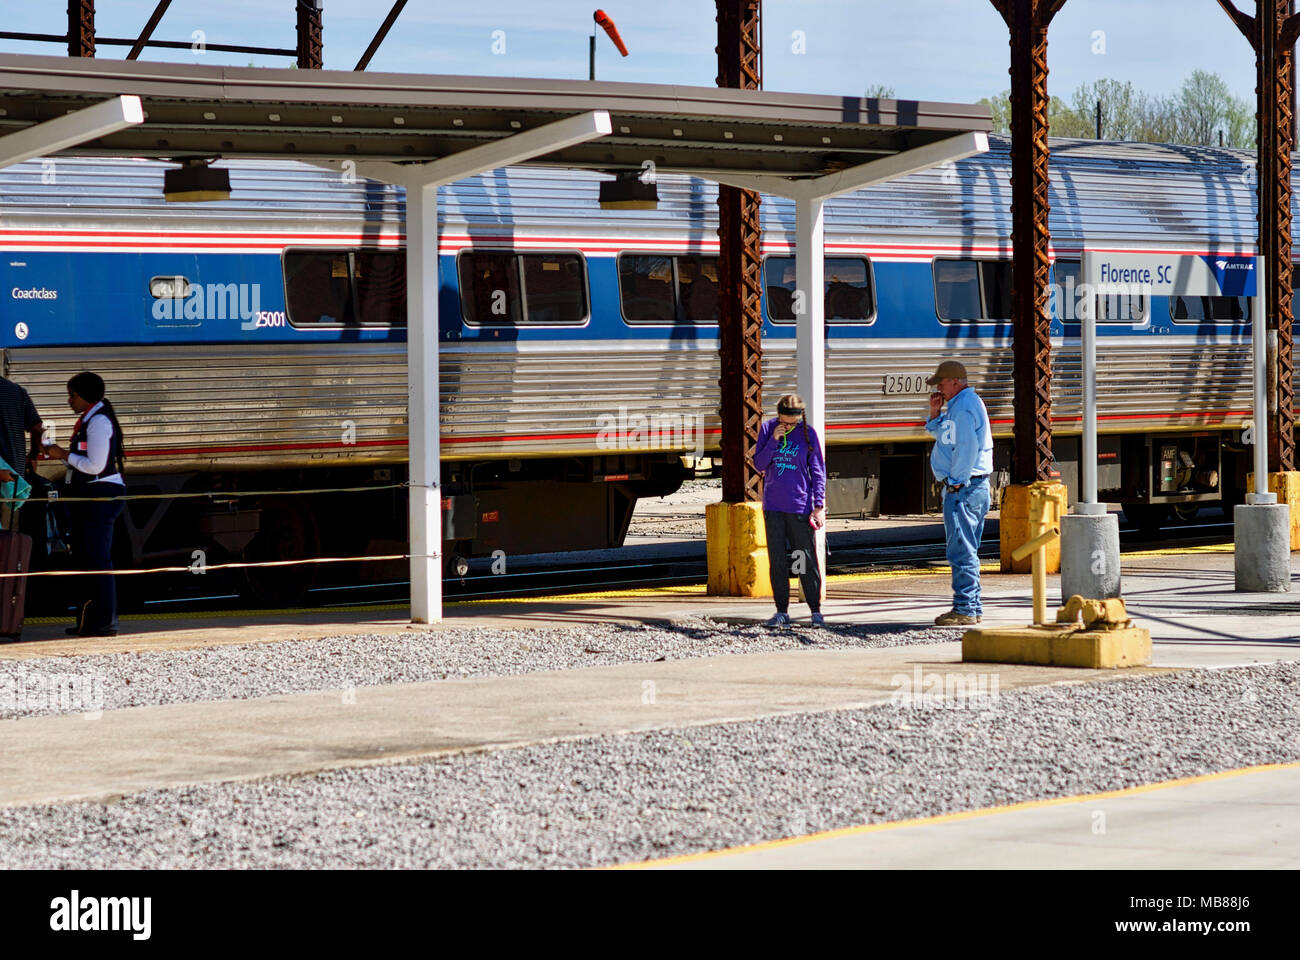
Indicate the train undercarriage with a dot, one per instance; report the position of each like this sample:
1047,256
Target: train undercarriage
1153,475
201,522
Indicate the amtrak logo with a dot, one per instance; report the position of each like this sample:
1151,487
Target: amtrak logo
1233,264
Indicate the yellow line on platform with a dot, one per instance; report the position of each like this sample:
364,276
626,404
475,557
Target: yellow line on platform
1175,551
955,817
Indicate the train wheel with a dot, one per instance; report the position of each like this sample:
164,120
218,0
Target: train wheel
288,532
1147,517
1186,512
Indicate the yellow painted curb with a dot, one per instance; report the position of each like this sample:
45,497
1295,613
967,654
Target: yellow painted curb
955,817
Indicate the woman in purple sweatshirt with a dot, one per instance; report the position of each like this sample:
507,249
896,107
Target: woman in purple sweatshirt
789,455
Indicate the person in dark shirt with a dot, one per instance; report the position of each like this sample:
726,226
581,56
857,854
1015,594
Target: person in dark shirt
18,416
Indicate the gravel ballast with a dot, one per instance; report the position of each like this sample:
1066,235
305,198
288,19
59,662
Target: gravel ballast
76,684
627,798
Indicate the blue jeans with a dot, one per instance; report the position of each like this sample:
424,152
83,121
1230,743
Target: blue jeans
963,523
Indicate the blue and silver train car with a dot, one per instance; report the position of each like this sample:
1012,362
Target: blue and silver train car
258,343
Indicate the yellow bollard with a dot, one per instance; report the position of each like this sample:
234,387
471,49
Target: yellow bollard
1040,505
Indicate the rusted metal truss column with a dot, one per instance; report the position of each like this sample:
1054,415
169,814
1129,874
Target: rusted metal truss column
81,28
310,53
1272,32
740,331
1028,21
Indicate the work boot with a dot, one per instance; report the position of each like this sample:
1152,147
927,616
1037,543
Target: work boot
954,619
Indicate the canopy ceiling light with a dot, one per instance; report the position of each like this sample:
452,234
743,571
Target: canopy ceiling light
627,191
196,181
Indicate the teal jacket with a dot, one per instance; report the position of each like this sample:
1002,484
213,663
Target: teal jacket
14,492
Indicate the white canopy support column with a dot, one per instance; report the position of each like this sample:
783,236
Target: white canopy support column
423,407
810,316
423,442
75,128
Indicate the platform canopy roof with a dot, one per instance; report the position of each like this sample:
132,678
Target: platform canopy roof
331,114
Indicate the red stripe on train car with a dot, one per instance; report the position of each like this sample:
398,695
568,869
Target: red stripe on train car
271,448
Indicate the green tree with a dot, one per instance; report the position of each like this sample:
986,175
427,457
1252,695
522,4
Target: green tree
1204,107
1201,109
1119,108
1000,108
1157,120
1061,118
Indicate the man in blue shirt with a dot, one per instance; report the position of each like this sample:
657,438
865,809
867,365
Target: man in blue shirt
962,460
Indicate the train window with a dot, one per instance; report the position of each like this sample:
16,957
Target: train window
380,279
697,289
654,288
972,289
501,286
317,288
555,289
848,296
489,287
995,279
1113,307
647,288
332,288
957,290
1122,308
1210,309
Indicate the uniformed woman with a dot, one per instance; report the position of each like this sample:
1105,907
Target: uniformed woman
95,471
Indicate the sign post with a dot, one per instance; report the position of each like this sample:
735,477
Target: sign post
1090,537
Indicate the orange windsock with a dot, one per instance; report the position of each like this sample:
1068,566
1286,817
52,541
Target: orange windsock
602,18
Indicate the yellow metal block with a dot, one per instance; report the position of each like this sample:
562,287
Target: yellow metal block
737,550
1058,647
1016,527
1287,487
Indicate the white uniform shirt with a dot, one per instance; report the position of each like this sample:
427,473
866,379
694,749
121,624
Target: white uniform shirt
99,446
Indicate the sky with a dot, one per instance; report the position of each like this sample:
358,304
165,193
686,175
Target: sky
946,50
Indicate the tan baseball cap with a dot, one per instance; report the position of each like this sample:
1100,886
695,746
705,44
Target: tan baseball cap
949,369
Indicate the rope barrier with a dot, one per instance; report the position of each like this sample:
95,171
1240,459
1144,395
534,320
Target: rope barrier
205,567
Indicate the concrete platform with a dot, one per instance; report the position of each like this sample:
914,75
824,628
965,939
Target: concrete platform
1243,819
76,756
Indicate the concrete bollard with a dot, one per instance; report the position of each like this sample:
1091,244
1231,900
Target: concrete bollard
1263,547
1090,555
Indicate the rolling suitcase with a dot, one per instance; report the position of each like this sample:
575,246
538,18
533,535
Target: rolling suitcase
15,557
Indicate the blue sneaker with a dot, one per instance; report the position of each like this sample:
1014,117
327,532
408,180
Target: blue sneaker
818,620
779,620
